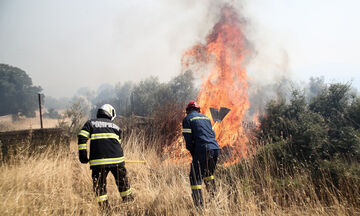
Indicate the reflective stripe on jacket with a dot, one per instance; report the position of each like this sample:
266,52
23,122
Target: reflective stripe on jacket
198,133
105,142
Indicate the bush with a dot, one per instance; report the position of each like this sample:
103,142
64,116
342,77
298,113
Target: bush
75,116
320,134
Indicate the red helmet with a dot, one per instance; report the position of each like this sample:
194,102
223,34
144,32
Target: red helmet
192,104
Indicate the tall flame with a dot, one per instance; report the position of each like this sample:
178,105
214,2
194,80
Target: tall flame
226,83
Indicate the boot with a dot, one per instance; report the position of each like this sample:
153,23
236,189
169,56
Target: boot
128,198
197,197
105,207
211,187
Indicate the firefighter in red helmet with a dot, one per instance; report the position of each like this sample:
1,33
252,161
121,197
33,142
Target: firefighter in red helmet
200,141
106,154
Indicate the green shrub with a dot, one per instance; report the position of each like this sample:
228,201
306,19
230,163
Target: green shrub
319,134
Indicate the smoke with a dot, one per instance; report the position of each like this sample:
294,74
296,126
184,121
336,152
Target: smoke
64,45
267,65
87,43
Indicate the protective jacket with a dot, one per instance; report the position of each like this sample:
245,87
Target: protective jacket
105,144
198,133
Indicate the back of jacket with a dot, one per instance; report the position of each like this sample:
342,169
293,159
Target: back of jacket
105,144
198,133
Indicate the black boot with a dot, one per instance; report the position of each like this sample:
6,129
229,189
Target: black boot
105,207
197,197
128,198
211,187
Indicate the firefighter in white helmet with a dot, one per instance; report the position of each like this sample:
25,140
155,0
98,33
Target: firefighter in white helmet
106,154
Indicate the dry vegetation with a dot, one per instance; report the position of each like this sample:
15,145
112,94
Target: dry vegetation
7,124
55,183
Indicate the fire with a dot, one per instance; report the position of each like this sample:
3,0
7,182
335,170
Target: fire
226,84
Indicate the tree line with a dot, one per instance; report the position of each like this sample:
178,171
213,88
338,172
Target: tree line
19,95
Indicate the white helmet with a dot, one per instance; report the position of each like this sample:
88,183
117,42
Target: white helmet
107,110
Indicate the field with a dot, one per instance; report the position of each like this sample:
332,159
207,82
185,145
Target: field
55,183
7,124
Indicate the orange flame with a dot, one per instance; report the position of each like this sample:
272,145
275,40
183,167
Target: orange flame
226,85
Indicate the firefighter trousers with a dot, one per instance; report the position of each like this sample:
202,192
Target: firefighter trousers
99,183
203,168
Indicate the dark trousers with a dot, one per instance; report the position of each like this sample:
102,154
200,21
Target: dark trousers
99,183
203,168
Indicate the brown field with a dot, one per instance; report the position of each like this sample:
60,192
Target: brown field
6,123
55,183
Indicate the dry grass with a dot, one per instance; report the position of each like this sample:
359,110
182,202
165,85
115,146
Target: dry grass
6,123
55,183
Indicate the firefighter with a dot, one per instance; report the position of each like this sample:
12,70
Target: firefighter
106,154
200,141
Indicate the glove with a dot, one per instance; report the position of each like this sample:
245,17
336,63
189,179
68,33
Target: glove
83,156
84,160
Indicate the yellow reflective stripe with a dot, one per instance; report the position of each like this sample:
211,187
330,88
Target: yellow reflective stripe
194,187
84,133
105,136
125,193
208,178
105,161
186,130
199,117
82,146
102,198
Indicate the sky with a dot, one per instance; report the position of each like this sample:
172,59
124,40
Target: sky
69,44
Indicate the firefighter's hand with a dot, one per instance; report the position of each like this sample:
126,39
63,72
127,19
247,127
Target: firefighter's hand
83,156
84,160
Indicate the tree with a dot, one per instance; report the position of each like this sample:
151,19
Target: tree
318,133
353,114
17,93
77,113
122,98
143,100
182,88
332,102
150,94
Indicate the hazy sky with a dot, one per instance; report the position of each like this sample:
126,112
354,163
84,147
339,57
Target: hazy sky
68,44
